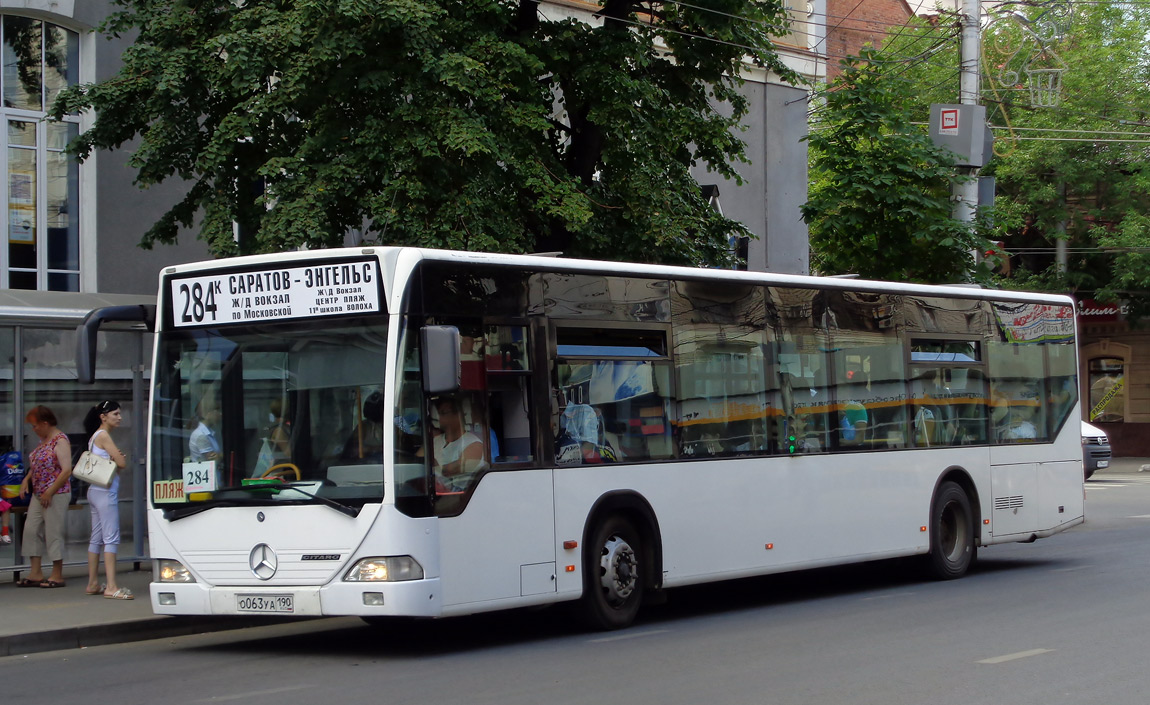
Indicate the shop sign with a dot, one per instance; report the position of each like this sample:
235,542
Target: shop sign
1091,311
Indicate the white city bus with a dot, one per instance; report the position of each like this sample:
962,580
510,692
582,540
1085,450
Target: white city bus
403,432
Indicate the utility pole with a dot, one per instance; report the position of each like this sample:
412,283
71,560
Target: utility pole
966,194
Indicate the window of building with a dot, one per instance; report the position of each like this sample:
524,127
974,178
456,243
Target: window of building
43,183
1107,390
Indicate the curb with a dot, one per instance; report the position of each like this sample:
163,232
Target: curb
123,632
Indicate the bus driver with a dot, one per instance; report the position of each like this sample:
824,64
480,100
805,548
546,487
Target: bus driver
455,451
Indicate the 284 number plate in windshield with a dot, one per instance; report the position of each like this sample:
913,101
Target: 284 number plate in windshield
264,603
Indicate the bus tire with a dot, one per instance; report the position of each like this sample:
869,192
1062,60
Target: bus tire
952,546
614,576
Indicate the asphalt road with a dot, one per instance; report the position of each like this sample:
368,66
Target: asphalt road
1063,620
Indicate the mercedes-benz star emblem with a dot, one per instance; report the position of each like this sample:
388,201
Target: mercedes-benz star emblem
263,561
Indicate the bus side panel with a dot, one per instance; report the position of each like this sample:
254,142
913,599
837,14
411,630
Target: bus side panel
1061,495
718,518
503,544
1035,497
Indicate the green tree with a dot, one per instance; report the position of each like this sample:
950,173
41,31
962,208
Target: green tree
879,201
1070,163
466,124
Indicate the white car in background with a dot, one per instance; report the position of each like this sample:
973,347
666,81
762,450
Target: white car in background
1095,449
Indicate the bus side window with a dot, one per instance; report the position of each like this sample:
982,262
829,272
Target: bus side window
508,369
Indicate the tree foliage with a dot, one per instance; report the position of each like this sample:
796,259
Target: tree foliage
1072,171
466,124
879,201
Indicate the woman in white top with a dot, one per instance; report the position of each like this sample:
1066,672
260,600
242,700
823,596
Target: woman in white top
105,505
455,451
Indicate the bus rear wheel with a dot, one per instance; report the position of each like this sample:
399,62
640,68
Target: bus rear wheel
952,546
613,576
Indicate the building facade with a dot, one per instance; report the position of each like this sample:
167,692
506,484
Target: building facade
852,25
58,209
1114,375
72,232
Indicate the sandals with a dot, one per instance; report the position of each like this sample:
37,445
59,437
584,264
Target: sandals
28,582
120,594
98,591
51,584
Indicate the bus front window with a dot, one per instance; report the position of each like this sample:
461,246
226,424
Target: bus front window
238,407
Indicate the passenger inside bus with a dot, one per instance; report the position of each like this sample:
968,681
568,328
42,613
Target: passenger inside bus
853,423
457,453
279,430
581,437
204,443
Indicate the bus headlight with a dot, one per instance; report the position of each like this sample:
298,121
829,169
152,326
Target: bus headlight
385,569
170,571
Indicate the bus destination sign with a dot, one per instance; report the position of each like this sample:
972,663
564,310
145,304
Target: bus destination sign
320,289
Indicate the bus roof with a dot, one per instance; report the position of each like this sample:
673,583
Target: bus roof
562,264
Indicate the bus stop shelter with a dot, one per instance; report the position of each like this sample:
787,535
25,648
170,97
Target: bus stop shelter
38,367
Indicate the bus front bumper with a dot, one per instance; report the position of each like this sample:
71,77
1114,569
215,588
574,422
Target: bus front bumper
413,598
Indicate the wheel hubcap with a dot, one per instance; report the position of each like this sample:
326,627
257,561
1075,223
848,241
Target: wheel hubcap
620,570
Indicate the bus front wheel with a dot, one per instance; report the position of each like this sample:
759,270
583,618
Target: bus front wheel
613,576
952,546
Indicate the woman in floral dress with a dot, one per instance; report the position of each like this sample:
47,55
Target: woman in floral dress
49,469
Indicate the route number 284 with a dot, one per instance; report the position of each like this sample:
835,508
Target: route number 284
199,300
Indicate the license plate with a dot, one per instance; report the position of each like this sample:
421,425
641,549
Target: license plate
264,603
1103,464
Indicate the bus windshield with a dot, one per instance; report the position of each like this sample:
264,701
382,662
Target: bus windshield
240,413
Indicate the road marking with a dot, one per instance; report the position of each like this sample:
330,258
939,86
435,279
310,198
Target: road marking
1016,656
251,693
1139,516
629,635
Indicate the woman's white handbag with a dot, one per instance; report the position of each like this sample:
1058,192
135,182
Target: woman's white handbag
95,470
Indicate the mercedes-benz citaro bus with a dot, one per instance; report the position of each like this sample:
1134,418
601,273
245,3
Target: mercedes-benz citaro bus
405,432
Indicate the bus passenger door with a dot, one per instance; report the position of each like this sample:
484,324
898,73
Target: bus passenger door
497,527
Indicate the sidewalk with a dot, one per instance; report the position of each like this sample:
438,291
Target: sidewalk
37,619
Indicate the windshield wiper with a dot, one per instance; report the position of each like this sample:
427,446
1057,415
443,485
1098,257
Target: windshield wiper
181,512
341,508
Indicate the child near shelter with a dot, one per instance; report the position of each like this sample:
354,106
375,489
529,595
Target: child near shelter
11,474
5,507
